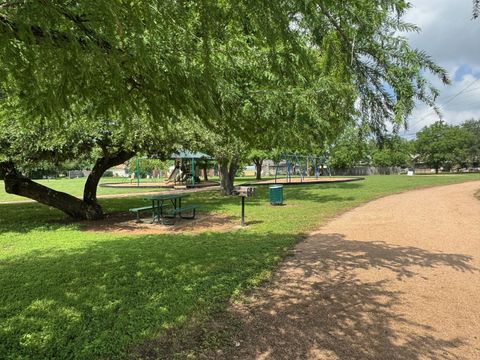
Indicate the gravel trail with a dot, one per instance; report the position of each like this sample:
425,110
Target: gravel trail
396,278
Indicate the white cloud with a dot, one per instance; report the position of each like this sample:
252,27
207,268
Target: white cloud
448,32
451,37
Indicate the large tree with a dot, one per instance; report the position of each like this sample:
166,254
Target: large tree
391,150
164,60
258,156
350,149
105,144
441,144
472,142
345,63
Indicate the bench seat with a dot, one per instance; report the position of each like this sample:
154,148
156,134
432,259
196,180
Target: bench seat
188,208
139,210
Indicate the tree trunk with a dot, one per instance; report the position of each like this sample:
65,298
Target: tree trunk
258,165
86,209
227,172
16,184
102,165
205,171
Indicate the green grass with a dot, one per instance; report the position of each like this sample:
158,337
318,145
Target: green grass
75,187
66,293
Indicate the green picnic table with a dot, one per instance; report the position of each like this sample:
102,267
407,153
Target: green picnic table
166,206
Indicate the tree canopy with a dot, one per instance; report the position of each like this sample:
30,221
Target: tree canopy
472,142
441,144
162,58
391,151
294,71
350,149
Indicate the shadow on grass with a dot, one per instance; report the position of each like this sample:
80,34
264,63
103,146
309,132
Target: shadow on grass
318,307
24,218
116,295
98,301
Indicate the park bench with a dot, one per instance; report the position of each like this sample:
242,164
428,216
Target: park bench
137,211
179,211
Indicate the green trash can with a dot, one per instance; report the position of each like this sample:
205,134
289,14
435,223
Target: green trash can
275,194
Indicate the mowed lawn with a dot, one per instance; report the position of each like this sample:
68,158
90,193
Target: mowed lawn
66,293
75,187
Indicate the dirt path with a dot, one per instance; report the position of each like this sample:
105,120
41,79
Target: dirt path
397,278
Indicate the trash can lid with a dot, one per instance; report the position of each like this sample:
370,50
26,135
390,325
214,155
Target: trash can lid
275,186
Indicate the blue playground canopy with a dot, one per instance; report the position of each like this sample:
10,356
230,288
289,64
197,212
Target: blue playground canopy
190,155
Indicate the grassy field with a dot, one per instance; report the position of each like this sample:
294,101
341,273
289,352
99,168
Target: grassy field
75,187
66,293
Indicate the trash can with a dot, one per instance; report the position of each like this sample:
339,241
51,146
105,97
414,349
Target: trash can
275,194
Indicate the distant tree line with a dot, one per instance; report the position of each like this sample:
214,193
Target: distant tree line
438,146
441,145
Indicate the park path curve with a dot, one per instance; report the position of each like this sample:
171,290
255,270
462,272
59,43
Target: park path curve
396,278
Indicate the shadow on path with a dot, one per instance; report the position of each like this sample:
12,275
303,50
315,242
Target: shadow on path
317,307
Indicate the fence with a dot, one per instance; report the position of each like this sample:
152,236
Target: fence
73,174
367,170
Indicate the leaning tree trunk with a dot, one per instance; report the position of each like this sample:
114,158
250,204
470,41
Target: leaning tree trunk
227,171
17,184
86,209
102,165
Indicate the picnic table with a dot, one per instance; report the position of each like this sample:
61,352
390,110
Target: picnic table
166,206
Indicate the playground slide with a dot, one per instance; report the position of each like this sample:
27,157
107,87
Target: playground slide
173,175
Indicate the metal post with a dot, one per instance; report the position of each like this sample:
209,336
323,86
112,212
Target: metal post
288,170
243,210
276,171
301,170
193,172
301,167
138,172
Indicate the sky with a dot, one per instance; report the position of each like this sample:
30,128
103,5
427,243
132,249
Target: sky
452,38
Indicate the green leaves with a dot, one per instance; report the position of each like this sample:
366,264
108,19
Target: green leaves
287,73
441,144
165,59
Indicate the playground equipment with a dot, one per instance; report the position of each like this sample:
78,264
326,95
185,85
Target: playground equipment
173,174
185,171
136,175
301,166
